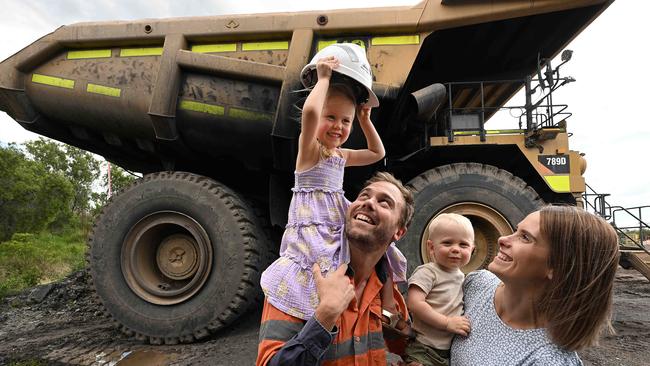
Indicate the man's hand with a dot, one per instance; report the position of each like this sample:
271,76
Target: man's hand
324,67
334,292
458,325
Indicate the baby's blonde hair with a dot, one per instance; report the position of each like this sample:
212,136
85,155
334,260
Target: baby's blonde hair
445,218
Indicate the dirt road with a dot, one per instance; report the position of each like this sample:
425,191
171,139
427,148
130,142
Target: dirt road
59,324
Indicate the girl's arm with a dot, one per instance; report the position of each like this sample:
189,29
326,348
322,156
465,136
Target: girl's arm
311,112
375,150
424,312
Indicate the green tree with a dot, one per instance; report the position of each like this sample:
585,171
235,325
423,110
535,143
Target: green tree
31,196
78,166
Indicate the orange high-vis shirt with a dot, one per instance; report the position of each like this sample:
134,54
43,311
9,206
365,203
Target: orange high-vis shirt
357,339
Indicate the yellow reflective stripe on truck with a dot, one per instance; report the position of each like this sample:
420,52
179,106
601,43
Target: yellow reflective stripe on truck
143,51
395,40
189,105
265,46
76,55
214,48
374,41
217,110
103,90
53,81
325,43
558,183
249,114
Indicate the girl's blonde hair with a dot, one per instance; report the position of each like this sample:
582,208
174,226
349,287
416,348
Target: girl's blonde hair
343,89
583,256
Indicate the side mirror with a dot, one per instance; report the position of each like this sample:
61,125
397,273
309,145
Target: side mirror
566,55
540,64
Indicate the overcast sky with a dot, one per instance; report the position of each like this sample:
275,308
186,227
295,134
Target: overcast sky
610,122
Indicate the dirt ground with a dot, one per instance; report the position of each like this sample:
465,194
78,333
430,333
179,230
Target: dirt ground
58,324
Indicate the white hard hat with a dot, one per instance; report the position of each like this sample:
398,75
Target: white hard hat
352,63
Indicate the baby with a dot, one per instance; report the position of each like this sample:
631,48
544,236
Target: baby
435,294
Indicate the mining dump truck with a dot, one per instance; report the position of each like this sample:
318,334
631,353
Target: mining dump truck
205,108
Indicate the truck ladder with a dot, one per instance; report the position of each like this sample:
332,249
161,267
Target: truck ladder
632,230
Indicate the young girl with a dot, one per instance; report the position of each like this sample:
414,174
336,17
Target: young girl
314,232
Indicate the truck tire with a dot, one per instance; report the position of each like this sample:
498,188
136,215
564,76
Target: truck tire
175,257
493,199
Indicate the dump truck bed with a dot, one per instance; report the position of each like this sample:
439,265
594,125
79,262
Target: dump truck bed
206,93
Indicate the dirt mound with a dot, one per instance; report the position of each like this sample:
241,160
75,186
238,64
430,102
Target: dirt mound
630,345
73,290
61,324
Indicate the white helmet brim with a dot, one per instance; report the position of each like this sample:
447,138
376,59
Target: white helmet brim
353,63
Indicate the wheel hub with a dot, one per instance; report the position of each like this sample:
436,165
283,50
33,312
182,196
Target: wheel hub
166,258
177,257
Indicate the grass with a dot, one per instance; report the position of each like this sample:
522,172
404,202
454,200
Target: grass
28,260
27,363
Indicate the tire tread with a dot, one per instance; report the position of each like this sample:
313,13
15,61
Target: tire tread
254,246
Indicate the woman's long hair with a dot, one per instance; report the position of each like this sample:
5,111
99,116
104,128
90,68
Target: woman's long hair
583,255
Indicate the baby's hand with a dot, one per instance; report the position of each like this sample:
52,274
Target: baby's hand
458,325
363,113
325,65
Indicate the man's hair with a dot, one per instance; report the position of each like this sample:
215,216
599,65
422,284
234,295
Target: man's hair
446,218
583,255
407,210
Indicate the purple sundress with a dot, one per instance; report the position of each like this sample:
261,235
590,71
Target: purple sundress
314,234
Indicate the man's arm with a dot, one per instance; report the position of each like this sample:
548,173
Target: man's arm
285,340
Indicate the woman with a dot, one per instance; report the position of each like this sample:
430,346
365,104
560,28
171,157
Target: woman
548,292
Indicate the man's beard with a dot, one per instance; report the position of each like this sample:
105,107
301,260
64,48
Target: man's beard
367,240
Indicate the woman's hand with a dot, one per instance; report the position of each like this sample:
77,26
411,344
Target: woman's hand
458,325
324,67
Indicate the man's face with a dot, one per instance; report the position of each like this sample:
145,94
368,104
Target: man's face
372,221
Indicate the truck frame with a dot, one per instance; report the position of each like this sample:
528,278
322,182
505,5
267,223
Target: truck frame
205,108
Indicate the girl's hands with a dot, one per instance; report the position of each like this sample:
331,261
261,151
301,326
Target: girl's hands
363,113
324,67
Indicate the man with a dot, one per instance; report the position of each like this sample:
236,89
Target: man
347,325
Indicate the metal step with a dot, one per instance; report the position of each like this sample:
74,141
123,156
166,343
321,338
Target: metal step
640,262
